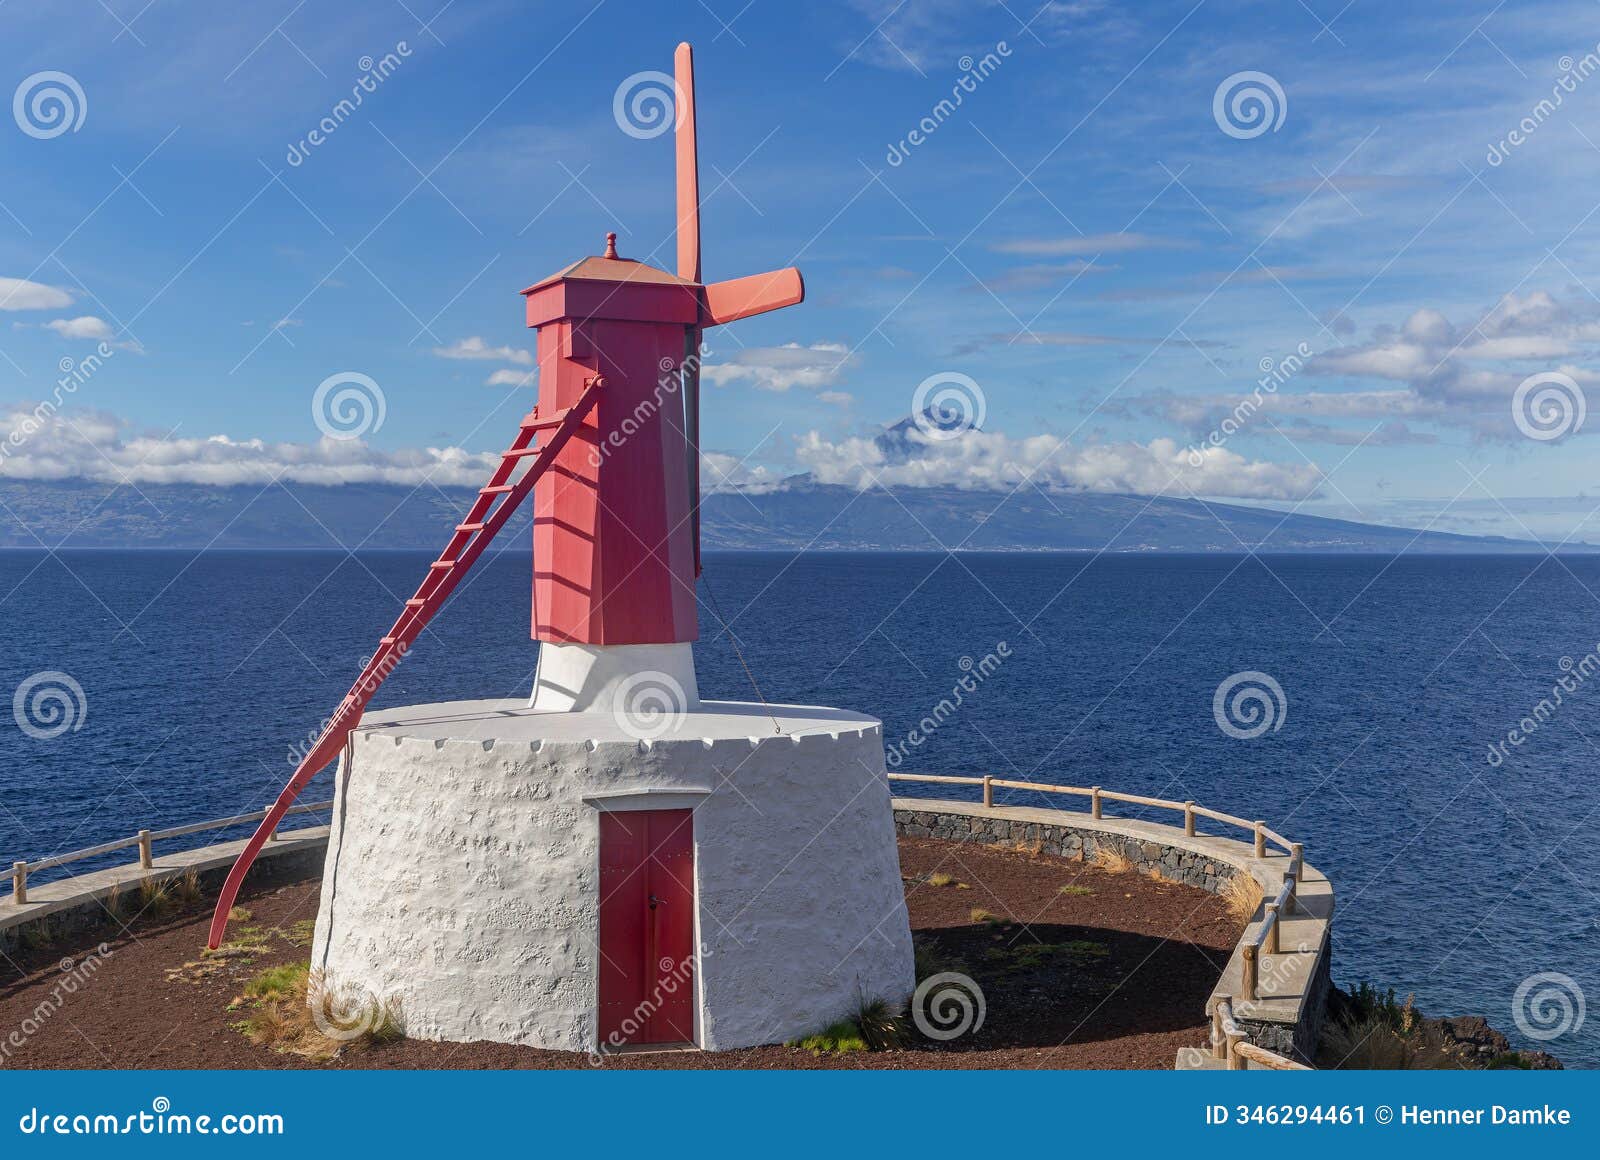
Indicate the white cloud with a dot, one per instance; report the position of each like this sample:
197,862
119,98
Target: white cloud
1089,244
511,378
87,326
21,294
1039,275
778,368
1464,374
106,448
986,460
722,472
473,347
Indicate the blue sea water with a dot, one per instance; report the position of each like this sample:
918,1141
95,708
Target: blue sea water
1457,878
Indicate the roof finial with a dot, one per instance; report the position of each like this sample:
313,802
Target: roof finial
611,245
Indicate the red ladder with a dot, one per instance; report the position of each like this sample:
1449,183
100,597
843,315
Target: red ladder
467,543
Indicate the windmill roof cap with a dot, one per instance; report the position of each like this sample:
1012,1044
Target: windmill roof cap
610,268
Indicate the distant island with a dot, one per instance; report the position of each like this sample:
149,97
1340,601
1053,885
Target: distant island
797,514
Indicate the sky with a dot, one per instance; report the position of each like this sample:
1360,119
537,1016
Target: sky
1328,256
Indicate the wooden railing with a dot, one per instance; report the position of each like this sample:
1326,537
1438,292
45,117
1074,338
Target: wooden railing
1098,797
1266,938
1228,1043
145,840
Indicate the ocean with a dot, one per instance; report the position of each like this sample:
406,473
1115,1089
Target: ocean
1459,839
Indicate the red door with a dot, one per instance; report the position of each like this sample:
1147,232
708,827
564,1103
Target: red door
646,927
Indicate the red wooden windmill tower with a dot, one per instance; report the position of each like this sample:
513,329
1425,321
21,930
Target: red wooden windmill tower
610,457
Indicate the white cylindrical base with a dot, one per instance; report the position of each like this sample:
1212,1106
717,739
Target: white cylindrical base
615,678
463,869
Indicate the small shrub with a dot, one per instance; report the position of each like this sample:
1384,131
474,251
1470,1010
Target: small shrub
1366,1002
881,1025
940,879
1368,1044
979,914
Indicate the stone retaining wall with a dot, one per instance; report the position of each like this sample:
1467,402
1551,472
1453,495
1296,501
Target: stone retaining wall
81,903
1074,840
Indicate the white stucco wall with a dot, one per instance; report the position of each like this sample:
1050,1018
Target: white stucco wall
463,866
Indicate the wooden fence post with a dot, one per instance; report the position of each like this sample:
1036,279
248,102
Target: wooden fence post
1219,1038
1297,867
1188,818
1094,798
1248,951
19,882
1261,839
988,792
1236,1062
146,856
1271,946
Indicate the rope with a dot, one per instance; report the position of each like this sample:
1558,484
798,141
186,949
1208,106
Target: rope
734,641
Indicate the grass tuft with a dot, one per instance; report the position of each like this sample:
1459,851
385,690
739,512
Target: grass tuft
155,895
1242,893
186,888
1110,860
882,1025
1072,890
293,1010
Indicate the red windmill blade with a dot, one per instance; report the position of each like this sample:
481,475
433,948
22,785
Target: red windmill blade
605,524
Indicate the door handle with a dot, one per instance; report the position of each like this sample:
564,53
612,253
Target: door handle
654,902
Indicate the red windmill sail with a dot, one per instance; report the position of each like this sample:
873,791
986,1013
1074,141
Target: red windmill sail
615,481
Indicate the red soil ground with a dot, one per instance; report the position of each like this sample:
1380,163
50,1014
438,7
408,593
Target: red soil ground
1113,974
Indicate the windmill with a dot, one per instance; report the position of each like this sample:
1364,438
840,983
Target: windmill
583,776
